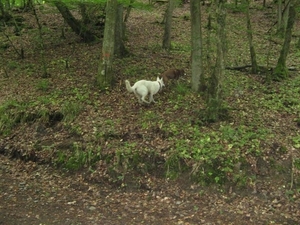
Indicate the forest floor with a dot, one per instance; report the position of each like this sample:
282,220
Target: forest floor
36,189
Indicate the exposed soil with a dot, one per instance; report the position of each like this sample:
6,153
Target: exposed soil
35,190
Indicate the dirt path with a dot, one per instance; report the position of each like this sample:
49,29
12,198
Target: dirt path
36,194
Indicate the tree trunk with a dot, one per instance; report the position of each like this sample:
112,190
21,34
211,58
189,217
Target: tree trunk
75,25
281,72
215,110
41,44
120,49
250,39
105,76
279,17
196,39
168,25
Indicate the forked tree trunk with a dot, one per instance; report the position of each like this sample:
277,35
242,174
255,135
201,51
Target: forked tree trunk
215,100
168,25
75,25
196,39
254,65
281,72
105,76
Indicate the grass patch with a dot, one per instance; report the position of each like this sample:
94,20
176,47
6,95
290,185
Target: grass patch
12,113
43,85
77,157
70,110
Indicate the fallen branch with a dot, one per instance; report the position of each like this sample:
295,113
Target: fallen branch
261,68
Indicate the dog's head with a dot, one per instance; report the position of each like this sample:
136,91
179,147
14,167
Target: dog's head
160,81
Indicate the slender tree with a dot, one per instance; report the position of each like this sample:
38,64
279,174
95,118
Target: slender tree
196,39
254,65
168,25
279,16
215,108
105,77
281,72
41,43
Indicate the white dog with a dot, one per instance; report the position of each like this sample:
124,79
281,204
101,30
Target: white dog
144,87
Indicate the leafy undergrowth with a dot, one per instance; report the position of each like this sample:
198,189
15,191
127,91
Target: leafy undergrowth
108,138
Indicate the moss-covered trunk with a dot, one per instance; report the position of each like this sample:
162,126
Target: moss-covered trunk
105,76
281,72
120,49
168,25
196,39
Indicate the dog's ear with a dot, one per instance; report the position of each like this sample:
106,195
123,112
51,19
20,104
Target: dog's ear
162,81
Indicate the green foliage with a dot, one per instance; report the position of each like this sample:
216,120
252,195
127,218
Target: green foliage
82,95
296,141
240,7
129,158
70,110
286,98
12,65
175,46
280,72
43,85
12,113
77,157
212,156
182,89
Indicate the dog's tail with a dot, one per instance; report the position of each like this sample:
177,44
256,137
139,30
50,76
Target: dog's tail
128,87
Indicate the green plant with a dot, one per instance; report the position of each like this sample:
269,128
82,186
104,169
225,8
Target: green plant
12,112
43,85
296,141
213,156
78,157
175,46
71,110
12,65
182,89
81,94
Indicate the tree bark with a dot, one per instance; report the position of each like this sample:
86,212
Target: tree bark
105,77
215,108
75,25
250,39
168,25
196,39
279,17
281,72
120,49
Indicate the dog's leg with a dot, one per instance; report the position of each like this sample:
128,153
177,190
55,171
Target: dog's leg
139,98
144,100
151,99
